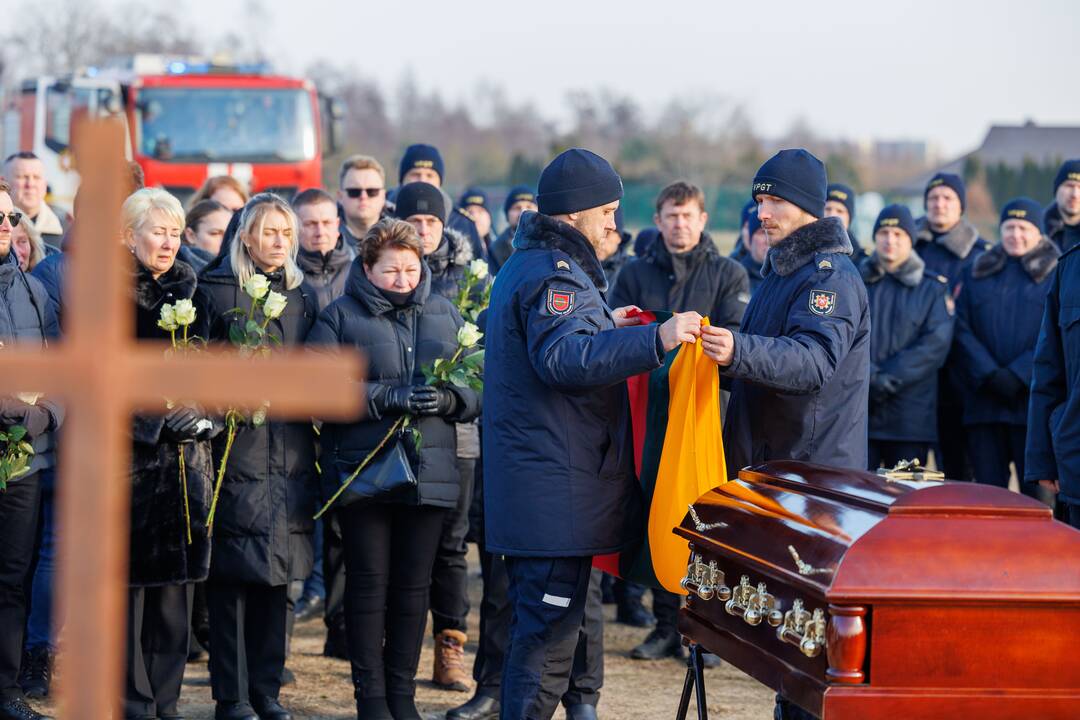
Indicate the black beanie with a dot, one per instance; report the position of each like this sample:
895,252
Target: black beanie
518,193
843,194
1023,208
796,176
949,180
474,196
420,198
420,156
748,209
896,216
1070,170
753,224
577,180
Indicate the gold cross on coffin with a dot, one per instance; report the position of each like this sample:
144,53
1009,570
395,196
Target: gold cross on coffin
102,375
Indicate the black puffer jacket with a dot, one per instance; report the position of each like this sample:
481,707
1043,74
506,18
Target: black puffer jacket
700,280
448,263
397,342
160,553
326,274
26,316
263,526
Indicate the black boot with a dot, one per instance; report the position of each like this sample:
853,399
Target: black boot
17,709
581,712
659,644
403,707
373,708
480,707
234,711
35,675
269,708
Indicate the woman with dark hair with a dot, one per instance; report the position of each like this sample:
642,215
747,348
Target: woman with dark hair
169,546
263,523
204,229
391,314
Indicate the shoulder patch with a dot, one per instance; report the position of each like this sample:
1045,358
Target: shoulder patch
824,264
822,302
560,302
562,261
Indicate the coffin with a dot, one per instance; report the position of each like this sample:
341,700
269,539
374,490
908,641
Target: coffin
860,596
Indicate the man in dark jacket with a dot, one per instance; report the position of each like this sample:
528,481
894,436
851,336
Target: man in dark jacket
841,204
424,163
361,197
682,271
800,364
520,199
559,481
26,318
949,244
998,317
1052,451
910,333
753,260
323,255
1062,219
474,203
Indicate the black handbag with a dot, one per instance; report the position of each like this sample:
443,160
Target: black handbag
388,476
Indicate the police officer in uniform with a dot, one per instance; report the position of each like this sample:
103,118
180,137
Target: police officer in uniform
800,364
559,483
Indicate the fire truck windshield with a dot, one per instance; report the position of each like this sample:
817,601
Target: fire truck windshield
225,124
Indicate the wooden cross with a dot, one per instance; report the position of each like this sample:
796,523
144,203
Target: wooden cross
102,376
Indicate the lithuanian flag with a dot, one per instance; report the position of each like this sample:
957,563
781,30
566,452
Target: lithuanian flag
679,453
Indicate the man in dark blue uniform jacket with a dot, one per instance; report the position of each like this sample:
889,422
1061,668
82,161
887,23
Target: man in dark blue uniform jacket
559,483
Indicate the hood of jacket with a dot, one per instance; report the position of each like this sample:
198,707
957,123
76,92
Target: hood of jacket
959,241
361,289
825,236
910,273
454,250
546,233
1038,263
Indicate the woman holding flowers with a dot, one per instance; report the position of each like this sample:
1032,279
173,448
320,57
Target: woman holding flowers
171,470
409,335
264,495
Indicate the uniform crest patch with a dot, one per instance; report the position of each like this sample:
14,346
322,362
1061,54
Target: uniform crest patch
560,302
562,265
822,302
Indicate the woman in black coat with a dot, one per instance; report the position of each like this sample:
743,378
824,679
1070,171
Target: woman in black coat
390,313
165,557
263,522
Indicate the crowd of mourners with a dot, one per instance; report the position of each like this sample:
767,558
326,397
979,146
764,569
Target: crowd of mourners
402,274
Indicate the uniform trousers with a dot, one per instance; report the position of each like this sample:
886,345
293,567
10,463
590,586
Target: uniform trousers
548,596
157,649
19,506
247,639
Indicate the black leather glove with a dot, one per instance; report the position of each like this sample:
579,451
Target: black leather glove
182,423
394,401
435,400
35,418
883,386
1004,383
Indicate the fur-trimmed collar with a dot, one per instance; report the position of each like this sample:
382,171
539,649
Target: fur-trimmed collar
821,236
543,231
179,281
1039,262
360,288
959,241
454,249
910,273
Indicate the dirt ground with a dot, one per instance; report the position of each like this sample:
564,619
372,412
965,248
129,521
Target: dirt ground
633,689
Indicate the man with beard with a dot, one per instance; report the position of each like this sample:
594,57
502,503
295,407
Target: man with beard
1062,219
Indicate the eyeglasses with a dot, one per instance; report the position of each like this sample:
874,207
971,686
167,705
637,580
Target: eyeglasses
13,216
357,192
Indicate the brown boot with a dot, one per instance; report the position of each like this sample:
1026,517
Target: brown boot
450,672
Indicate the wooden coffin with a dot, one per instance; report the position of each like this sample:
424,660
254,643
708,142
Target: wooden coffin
859,596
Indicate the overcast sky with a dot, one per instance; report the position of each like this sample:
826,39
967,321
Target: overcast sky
938,70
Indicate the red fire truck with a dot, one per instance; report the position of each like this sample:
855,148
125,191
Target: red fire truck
188,118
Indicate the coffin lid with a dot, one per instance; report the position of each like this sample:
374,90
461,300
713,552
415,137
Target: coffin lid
855,536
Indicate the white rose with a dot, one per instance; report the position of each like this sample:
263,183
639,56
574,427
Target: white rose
274,305
257,286
167,318
469,335
184,312
479,269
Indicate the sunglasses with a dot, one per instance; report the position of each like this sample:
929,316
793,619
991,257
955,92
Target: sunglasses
357,192
14,217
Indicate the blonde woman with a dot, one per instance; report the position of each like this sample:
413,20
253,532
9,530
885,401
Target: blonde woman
28,245
263,525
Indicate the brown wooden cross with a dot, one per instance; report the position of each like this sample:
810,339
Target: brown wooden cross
102,376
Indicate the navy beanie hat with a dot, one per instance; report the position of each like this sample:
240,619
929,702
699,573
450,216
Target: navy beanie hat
420,198
474,196
748,209
577,180
620,221
420,156
1070,170
753,224
843,194
1023,208
518,193
796,176
949,180
896,216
